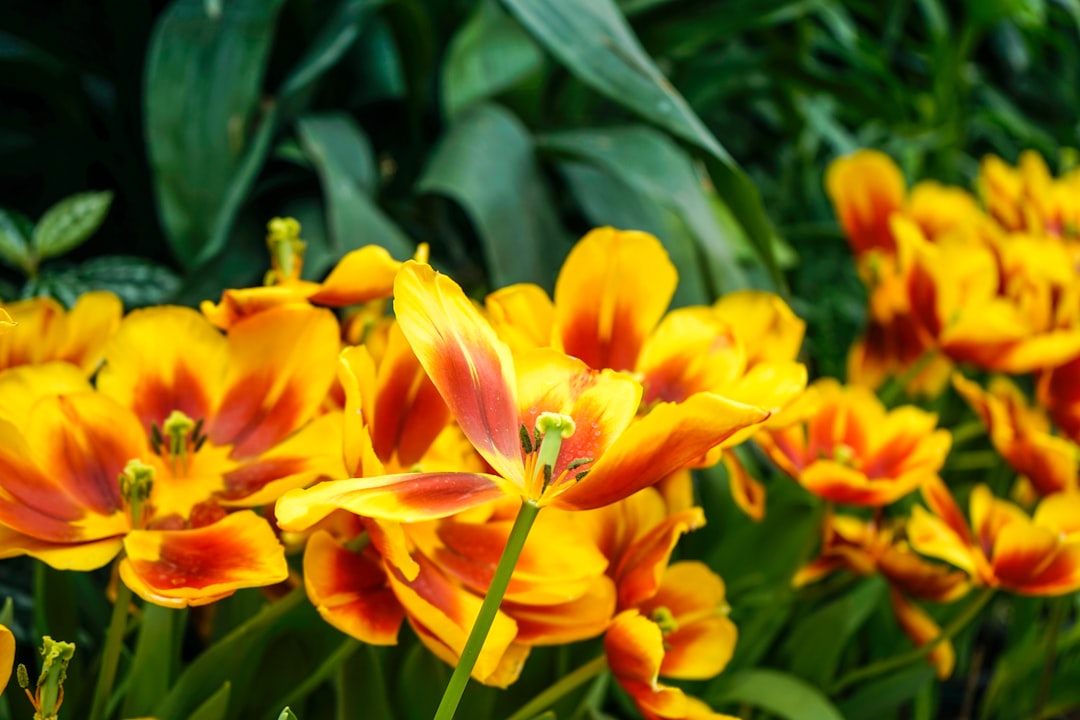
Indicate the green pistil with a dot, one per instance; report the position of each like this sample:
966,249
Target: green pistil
136,482
554,428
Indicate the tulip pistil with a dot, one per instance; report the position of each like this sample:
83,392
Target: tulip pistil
136,482
178,438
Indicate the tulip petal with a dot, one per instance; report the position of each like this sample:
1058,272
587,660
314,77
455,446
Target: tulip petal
92,320
465,360
866,188
81,557
523,316
281,364
932,536
748,493
634,647
403,498
580,619
361,276
351,591
241,303
667,439
163,359
612,291
311,454
7,647
178,568
1022,550
922,629
447,613
641,567
703,642
23,386
690,351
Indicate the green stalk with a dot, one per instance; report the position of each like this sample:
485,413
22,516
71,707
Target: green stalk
564,686
110,655
322,673
896,388
499,582
1057,616
896,662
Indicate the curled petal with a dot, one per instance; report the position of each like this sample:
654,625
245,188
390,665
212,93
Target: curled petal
178,568
748,493
361,276
402,498
580,619
465,360
241,303
670,437
351,591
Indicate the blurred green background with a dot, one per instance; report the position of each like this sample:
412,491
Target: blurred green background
499,131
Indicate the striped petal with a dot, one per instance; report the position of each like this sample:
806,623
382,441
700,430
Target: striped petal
634,647
612,291
465,360
281,364
402,498
670,437
351,591
178,568
642,565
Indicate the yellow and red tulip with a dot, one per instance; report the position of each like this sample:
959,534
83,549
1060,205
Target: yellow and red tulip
39,330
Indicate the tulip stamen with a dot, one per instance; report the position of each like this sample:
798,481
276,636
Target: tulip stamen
178,438
286,250
136,483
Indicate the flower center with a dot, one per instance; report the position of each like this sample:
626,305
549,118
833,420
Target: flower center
178,438
136,482
541,449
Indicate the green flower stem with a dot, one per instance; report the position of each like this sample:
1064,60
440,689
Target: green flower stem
110,655
1058,607
896,662
499,582
562,687
968,431
322,673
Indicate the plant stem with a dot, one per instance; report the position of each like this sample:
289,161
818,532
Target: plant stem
110,655
968,431
322,673
499,582
897,387
562,687
896,662
1057,616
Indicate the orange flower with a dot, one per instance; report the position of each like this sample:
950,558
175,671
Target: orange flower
509,407
1036,555
1059,392
360,276
1021,434
39,330
434,573
1009,305
866,188
190,421
855,451
1028,198
865,548
680,632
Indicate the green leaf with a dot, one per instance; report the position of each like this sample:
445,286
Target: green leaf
775,692
68,223
137,281
216,707
156,659
877,698
486,164
203,81
15,232
287,714
420,669
663,174
343,158
607,199
595,43
490,53
818,641
338,34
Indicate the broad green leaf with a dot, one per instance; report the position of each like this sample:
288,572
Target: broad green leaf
595,43
287,714
879,697
15,232
775,692
488,54
607,200
216,707
204,77
137,281
156,659
338,34
68,223
486,163
663,174
815,645
343,158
